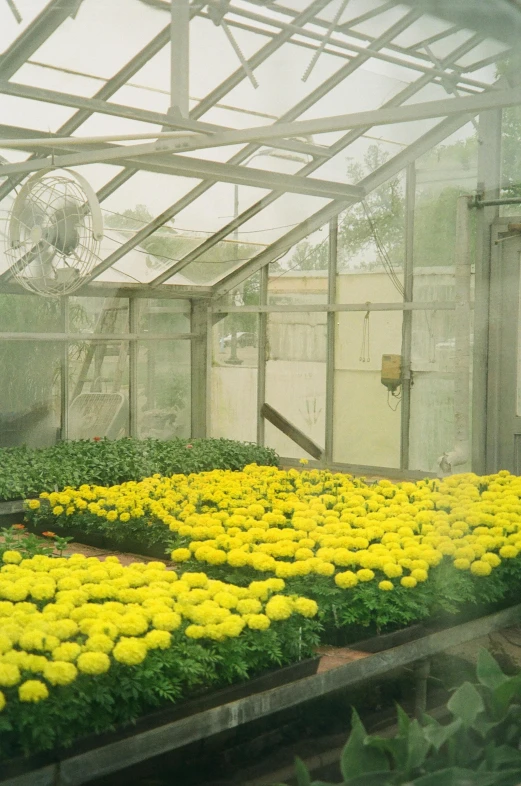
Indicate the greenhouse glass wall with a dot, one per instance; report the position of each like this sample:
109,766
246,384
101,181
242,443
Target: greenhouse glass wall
295,224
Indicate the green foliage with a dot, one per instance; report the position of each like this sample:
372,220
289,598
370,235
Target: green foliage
16,539
94,704
25,472
364,610
477,747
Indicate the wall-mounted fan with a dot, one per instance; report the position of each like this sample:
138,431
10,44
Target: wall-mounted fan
54,231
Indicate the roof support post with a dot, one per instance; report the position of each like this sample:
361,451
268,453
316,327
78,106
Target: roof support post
199,368
489,180
179,58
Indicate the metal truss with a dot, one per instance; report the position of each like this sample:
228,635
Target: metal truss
301,30
343,143
247,152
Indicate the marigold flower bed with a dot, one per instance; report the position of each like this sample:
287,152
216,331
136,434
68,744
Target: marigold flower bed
87,645
370,555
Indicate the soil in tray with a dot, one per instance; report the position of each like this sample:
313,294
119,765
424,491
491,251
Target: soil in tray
184,709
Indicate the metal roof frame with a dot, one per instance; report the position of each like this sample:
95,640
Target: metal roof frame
280,25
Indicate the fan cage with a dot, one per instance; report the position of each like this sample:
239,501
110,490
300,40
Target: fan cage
51,243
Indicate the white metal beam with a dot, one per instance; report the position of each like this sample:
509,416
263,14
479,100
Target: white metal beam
319,219
100,106
179,58
468,105
404,95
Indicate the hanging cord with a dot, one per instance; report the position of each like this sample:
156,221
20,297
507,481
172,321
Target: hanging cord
365,349
432,337
386,261
397,396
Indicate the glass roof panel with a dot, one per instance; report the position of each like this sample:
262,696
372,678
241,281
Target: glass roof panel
150,191
216,207
359,159
99,124
102,38
225,256
379,24
290,89
361,91
26,113
424,27
57,78
279,217
10,27
484,50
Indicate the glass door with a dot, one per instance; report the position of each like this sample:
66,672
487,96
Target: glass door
504,369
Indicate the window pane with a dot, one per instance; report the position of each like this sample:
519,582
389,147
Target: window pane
30,393
29,313
163,389
98,389
432,431
296,377
163,316
98,314
366,415
234,377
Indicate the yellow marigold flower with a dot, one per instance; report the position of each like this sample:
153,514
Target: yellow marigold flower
306,607
33,691
43,591
508,552
365,574
158,640
419,574
9,675
346,580
180,555
195,631
408,581
385,585
11,557
392,570
492,559
461,564
226,599
68,651
60,673
480,568
58,510
166,621
5,643
2,701
132,624
278,608
33,504
249,606
130,651
99,642
258,621
196,579
93,663
324,568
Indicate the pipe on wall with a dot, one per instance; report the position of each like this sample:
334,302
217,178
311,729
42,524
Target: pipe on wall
460,453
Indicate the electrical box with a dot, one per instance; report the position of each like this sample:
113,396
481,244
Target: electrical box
392,371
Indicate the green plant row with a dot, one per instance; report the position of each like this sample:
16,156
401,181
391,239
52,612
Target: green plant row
345,615
24,472
94,704
478,746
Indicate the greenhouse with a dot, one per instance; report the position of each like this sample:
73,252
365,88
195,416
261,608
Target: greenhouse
260,276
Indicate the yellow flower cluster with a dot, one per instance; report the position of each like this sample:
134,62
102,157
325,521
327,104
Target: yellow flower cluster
314,522
61,617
